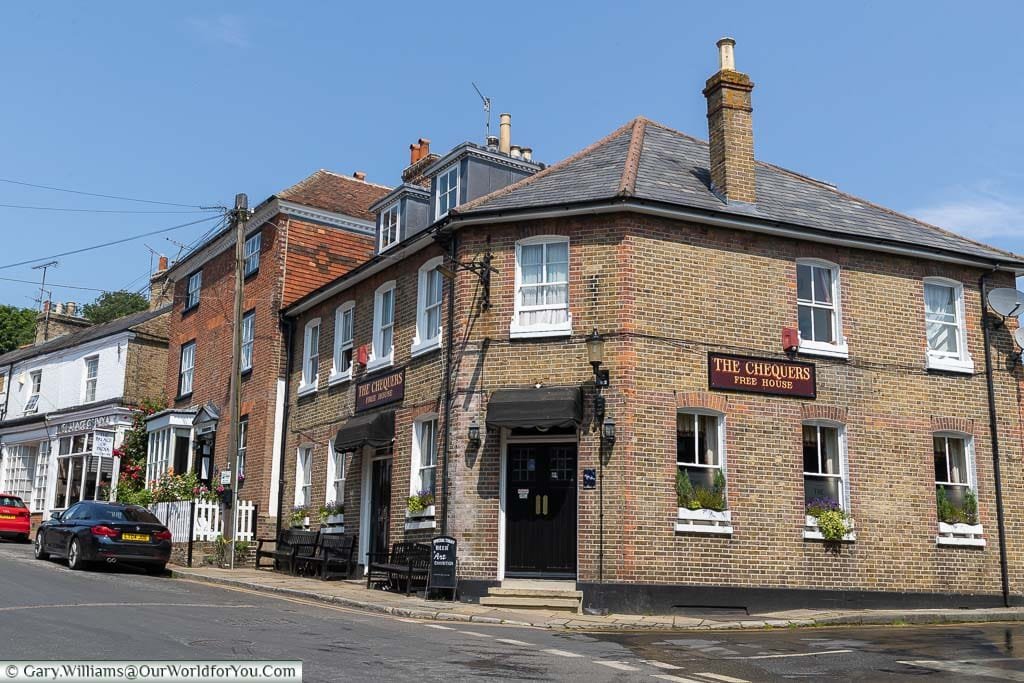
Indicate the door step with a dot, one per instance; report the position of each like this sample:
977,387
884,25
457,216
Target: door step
531,595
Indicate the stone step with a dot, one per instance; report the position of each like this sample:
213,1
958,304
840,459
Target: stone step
536,593
541,603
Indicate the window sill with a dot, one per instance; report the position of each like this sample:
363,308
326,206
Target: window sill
250,275
307,389
517,332
960,534
412,525
185,311
426,347
965,367
377,363
246,372
425,512
704,522
811,532
182,397
339,378
824,350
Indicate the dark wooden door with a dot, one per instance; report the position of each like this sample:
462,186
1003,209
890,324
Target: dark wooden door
380,505
540,510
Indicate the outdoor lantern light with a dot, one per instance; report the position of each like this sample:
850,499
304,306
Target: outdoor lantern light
608,431
474,433
595,349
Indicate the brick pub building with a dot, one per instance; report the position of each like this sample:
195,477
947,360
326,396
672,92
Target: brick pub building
296,240
776,343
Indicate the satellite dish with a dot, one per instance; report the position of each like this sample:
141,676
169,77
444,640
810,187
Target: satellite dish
1006,301
1018,337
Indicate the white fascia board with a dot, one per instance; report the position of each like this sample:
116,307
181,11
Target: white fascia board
42,360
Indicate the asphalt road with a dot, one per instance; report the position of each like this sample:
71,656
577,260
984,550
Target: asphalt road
49,612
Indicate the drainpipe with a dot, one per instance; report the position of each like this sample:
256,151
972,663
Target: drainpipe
288,329
449,352
994,436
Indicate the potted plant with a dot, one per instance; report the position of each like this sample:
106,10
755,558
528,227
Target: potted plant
420,504
827,520
958,524
332,513
702,509
299,517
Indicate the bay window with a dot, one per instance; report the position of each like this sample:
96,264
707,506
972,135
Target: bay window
19,470
944,326
542,288
818,309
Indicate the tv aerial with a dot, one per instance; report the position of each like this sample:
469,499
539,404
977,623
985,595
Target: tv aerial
487,107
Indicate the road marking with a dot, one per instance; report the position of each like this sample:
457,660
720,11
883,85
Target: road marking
612,664
474,633
561,653
443,628
660,665
794,654
675,679
722,677
965,668
512,641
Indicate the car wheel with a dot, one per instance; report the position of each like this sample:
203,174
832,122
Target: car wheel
39,551
75,561
156,569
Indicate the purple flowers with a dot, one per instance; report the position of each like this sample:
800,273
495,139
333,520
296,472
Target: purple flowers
816,506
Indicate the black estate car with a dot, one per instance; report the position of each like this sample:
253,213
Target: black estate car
105,532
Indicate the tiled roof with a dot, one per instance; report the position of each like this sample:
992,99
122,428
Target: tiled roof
85,336
647,161
337,193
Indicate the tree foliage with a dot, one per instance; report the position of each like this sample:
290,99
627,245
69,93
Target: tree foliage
17,327
112,305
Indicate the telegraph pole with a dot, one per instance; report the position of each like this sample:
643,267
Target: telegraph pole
240,215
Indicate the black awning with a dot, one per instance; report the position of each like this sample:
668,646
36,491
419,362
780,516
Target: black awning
376,429
535,408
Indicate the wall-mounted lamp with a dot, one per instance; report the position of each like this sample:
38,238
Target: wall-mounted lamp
595,354
474,433
608,431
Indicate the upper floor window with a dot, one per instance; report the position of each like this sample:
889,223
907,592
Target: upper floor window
92,369
252,254
428,307
383,347
35,380
944,325
344,323
447,190
310,357
389,226
818,309
194,285
248,339
542,287
186,368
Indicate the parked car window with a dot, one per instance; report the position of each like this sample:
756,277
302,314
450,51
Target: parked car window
123,514
11,502
74,512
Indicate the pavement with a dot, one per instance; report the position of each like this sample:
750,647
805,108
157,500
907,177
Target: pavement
355,594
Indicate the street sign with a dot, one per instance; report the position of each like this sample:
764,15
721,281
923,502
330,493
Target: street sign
589,479
443,565
103,444
225,477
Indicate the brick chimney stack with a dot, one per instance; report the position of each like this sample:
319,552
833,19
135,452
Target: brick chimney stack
161,292
730,128
419,159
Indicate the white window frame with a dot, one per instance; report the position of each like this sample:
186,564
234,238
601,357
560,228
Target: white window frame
843,476
310,377
450,170
416,466
702,521
336,460
35,389
389,232
243,441
189,369
422,343
20,471
248,339
42,477
960,534
343,343
90,382
193,287
380,357
936,360
304,476
838,348
251,252
544,330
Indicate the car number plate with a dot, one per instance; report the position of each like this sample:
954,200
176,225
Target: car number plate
135,537
8,517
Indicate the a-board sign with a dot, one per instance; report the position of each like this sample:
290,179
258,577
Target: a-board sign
443,564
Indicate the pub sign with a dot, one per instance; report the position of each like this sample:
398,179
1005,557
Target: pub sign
380,390
762,375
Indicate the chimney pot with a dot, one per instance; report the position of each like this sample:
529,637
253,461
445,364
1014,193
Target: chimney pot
424,147
492,143
505,133
46,306
516,151
726,55
414,154
161,264
58,308
70,307
528,153
360,176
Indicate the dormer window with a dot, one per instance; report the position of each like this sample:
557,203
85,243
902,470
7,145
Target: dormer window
389,226
447,190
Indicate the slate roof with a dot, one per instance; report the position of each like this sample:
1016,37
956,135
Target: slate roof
337,193
83,337
647,161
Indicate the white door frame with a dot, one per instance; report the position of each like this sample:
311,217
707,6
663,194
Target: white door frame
505,440
369,457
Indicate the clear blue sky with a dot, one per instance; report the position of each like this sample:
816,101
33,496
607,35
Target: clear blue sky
915,105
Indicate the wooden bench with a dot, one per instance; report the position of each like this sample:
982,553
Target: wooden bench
408,561
331,551
289,544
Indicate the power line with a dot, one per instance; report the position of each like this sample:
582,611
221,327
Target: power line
95,194
57,208
111,243
56,286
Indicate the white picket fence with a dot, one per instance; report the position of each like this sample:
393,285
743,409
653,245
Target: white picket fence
208,524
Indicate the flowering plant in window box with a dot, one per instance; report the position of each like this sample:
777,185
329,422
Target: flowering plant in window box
332,513
299,516
827,520
958,524
420,504
702,510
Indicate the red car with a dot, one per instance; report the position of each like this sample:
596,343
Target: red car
14,521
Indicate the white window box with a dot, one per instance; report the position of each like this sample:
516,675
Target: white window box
704,522
811,532
824,349
960,534
339,378
307,389
376,363
412,525
419,514
425,347
336,519
303,525
562,330
950,364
